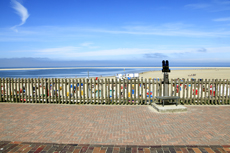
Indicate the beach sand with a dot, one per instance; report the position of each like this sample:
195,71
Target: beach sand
204,73
209,73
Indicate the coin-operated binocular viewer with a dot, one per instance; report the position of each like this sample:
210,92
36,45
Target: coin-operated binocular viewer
166,70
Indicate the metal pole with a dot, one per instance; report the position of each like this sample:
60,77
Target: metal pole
166,84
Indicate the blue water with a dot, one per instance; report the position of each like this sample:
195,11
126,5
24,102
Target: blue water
71,73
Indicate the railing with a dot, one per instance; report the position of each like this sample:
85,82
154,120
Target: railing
110,91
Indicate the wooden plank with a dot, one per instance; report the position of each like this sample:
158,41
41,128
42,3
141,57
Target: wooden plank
141,91
187,91
69,88
218,91
127,91
202,90
149,91
80,98
65,91
195,97
116,92
76,92
198,92
49,92
56,91
205,91
87,90
83,91
222,88
9,86
191,88
183,91
157,89
160,87
209,96
25,90
102,91
106,90
42,83
3,86
52,90
212,97
135,92
94,90
61,91
16,88
153,90
172,92
119,87
216,84
22,87
179,95
32,89
112,91
227,101
6,89
39,94
123,91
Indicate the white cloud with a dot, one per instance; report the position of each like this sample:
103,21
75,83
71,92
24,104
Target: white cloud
222,19
21,11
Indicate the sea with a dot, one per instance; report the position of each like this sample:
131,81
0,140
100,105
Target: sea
72,72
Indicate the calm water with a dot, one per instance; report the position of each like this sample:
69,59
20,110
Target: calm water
70,73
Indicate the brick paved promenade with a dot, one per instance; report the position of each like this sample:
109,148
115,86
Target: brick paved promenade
118,128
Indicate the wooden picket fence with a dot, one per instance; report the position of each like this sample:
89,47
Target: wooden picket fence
112,91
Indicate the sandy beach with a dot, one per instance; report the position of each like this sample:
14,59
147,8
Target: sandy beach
209,73
195,73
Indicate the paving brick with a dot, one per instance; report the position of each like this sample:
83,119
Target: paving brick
115,126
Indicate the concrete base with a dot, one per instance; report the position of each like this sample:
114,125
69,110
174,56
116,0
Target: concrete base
169,108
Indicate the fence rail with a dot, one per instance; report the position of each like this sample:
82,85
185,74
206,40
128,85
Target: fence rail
112,91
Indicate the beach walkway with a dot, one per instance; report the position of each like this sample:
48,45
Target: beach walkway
103,128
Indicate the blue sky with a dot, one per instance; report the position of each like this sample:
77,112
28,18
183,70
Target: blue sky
116,30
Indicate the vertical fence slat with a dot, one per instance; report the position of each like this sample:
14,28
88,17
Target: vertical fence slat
106,90
209,96
202,91
135,92
69,88
222,89
16,88
227,101
149,91
10,90
123,92
119,88
218,91
187,91
141,91
65,93
83,91
116,92
198,92
87,89
25,91
183,91
6,89
205,91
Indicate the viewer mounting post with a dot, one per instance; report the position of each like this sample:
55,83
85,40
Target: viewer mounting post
165,69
